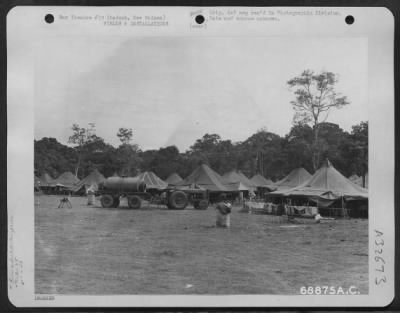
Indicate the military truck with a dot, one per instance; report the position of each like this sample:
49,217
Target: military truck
134,189
198,198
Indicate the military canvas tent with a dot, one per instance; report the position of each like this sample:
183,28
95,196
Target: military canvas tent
36,183
354,178
152,181
66,179
190,187
247,181
328,184
45,180
205,178
234,181
295,178
261,182
91,181
359,180
173,179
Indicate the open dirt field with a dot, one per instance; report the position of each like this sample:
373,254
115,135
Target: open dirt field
91,250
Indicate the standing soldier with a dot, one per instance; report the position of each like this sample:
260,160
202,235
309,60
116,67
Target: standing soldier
223,212
91,197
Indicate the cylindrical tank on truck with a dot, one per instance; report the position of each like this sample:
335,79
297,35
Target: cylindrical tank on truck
134,189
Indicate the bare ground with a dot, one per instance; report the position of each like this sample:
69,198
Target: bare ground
91,250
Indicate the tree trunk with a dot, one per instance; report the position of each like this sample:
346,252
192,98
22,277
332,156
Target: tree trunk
316,152
78,165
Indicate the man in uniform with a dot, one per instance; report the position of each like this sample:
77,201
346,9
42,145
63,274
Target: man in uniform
223,212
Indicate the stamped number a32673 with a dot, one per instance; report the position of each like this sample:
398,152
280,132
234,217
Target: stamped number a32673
379,260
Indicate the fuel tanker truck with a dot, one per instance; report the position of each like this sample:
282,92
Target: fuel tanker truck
134,189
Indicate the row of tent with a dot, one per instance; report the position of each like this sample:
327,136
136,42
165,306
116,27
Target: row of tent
68,181
202,177
327,183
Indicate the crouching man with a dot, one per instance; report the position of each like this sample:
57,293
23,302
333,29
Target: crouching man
223,212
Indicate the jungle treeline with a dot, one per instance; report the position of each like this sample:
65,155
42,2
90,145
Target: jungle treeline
263,152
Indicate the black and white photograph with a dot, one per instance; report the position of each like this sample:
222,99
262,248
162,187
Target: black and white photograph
201,165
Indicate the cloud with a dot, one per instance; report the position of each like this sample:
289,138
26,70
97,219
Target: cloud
173,90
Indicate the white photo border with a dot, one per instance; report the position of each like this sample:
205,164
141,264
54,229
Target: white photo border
25,23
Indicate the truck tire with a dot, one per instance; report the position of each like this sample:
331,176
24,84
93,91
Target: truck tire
116,202
178,200
203,205
196,204
134,202
107,201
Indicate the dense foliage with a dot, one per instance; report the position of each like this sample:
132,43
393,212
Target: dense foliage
272,155
315,97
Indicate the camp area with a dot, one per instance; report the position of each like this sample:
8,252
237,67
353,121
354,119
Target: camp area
206,205
158,251
140,243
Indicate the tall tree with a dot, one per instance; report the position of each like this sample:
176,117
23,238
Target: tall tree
261,153
53,157
315,98
332,140
203,148
297,147
355,150
166,161
125,135
217,153
81,136
128,153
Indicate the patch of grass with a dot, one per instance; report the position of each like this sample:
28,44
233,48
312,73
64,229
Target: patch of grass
91,250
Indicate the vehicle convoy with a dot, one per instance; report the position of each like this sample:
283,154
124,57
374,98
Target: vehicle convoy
134,189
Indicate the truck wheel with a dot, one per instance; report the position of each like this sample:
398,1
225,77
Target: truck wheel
116,202
178,200
107,201
196,204
134,202
203,205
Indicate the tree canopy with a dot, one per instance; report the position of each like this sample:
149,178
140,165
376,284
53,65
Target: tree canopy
315,97
263,152
310,140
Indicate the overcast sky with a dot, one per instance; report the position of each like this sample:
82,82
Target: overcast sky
171,91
